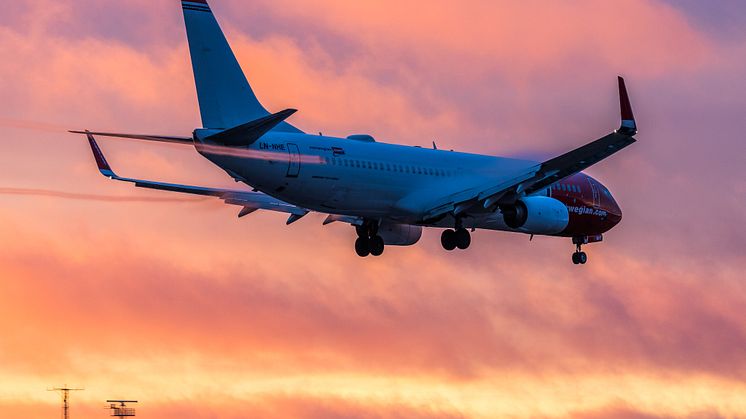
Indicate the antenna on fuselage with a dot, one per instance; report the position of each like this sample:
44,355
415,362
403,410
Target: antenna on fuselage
435,146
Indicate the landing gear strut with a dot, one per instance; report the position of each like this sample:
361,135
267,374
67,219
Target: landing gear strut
579,257
460,237
368,241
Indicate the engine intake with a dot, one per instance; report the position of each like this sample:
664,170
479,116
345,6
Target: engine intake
536,215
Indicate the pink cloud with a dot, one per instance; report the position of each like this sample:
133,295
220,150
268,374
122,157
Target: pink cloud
662,295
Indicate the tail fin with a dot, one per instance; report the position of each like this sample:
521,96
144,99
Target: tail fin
225,98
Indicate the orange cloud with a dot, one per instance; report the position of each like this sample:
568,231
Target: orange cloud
140,299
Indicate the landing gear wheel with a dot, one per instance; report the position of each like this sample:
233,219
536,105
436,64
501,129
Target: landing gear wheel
362,247
463,238
579,258
448,239
376,245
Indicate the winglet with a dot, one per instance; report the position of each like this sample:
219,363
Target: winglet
629,126
103,165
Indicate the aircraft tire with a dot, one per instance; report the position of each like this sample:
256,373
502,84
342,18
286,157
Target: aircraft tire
448,239
463,239
362,247
376,245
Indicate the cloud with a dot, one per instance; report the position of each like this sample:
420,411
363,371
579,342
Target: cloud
175,293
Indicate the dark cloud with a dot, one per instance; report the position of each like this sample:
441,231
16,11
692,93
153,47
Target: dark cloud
724,19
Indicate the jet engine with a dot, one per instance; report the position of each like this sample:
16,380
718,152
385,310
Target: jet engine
400,234
536,215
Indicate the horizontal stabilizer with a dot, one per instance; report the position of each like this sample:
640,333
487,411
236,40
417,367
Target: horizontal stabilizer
246,134
159,138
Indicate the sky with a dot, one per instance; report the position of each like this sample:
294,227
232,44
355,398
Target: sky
175,302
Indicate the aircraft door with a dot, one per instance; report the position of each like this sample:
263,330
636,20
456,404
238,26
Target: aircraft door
293,160
596,194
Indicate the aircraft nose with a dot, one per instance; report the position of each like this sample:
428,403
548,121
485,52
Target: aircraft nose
613,211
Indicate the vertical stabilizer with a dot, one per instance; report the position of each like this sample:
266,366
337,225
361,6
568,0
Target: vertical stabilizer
226,99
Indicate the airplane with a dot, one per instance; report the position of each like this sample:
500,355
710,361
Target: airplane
387,192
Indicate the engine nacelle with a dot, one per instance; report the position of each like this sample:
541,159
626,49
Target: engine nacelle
536,215
400,234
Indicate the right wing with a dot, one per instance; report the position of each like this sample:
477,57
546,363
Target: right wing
488,197
250,201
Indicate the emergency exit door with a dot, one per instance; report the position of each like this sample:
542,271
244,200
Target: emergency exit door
294,160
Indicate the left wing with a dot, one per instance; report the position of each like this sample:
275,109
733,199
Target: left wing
250,201
159,138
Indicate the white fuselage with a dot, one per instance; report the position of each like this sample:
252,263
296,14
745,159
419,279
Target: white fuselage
364,178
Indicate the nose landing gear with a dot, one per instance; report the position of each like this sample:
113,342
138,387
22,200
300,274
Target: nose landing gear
368,241
579,257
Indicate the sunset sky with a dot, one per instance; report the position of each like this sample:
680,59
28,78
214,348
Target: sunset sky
175,302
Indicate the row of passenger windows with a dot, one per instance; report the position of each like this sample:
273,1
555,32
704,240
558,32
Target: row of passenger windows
566,187
387,167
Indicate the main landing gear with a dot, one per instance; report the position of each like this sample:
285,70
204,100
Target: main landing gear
368,241
460,237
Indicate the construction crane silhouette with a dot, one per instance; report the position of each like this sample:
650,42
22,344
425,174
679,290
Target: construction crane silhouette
65,392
